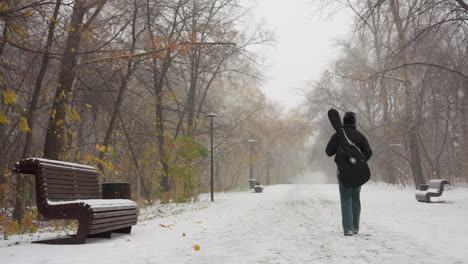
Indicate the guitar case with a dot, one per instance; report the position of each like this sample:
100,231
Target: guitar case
355,171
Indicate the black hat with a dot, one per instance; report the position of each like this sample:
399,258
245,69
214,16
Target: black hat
349,118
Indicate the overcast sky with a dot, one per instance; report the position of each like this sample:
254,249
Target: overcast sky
305,45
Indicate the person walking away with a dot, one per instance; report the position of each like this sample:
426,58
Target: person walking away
349,196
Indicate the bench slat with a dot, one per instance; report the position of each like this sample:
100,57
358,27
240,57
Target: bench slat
64,168
71,196
113,219
78,192
127,222
110,228
69,186
68,178
116,213
67,170
114,208
69,182
61,199
68,173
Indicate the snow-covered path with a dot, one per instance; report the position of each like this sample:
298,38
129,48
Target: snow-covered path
285,224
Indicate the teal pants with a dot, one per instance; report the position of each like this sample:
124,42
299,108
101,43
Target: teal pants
350,207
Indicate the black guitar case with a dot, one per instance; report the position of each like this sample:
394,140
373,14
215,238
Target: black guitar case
355,172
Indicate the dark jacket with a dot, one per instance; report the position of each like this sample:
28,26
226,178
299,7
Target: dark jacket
356,137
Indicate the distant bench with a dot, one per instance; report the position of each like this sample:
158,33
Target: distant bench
255,185
71,191
435,188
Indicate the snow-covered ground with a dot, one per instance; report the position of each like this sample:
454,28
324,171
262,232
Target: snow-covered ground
285,224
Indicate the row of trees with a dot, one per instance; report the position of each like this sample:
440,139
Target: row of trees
125,86
405,72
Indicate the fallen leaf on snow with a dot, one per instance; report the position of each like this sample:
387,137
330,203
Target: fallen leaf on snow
196,247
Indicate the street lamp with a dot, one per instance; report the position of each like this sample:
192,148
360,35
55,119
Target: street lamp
211,116
251,141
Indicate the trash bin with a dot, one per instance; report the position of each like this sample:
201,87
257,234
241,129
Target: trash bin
116,190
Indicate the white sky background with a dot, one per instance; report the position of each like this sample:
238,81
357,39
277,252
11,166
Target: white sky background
305,45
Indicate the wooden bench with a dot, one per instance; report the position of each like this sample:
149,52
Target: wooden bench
435,188
71,191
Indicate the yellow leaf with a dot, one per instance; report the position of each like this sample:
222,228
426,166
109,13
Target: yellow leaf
24,125
59,123
4,119
42,12
72,49
54,112
9,97
88,106
27,14
101,148
74,115
4,6
196,247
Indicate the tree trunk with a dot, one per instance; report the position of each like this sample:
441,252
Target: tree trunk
160,128
4,34
54,146
464,111
55,136
136,162
158,82
18,213
194,63
413,142
268,169
192,91
38,85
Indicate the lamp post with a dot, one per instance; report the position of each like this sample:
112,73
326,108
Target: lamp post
211,116
251,141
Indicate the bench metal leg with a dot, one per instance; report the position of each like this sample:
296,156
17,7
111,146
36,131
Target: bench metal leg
103,235
78,238
62,241
125,230
65,240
